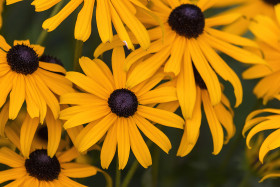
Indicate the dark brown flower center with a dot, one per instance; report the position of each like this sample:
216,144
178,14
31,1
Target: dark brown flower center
187,20
23,59
272,2
41,166
123,103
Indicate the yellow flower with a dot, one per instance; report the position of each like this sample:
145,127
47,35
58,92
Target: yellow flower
109,106
24,77
248,8
264,170
267,32
259,121
219,116
41,170
109,13
189,42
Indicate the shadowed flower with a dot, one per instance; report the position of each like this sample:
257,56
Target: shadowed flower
118,112
268,34
264,170
1,9
264,120
41,170
219,116
249,9
109,13
189,42
23,77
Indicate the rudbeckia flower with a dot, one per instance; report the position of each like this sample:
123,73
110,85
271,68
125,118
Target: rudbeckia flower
264,170
249,9
189,42
263,120
39,169
219,116
29,128
116,111
23,77
109,13
267,32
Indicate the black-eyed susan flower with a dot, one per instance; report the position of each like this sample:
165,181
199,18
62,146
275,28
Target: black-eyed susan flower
262,170
28,127
263,120
267,32
117,111
249,9
109,13
23,77
189,40
41,170
219,116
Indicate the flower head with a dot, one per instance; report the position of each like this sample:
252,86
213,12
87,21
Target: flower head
24,77
248,8
189,43
120,14
116,111
267,32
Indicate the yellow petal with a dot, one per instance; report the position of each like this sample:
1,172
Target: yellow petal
54,134
161,116
27,133
76,170
139,147
118,58
192,129
91,134
123,141
84,19
10,158
206,72
214,124
153,133
109,147
186,89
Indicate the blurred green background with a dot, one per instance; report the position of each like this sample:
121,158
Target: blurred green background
200,167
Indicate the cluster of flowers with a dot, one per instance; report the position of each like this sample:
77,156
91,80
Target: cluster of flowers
176,65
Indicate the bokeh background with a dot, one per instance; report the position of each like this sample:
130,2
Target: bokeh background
200,167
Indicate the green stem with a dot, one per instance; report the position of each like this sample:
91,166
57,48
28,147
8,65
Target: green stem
118,175
155,167
130,173
44,33
133,169
245,180
77,54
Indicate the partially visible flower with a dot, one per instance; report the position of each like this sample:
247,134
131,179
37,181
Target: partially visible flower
108,13
219,116
189,43
41,170
264,170
267,32
249,9
263,120
117,112
23,77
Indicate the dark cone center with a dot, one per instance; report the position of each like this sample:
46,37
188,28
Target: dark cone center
51,59
198,79
272,2
23,59
41,166
123,103
42,133
187,20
